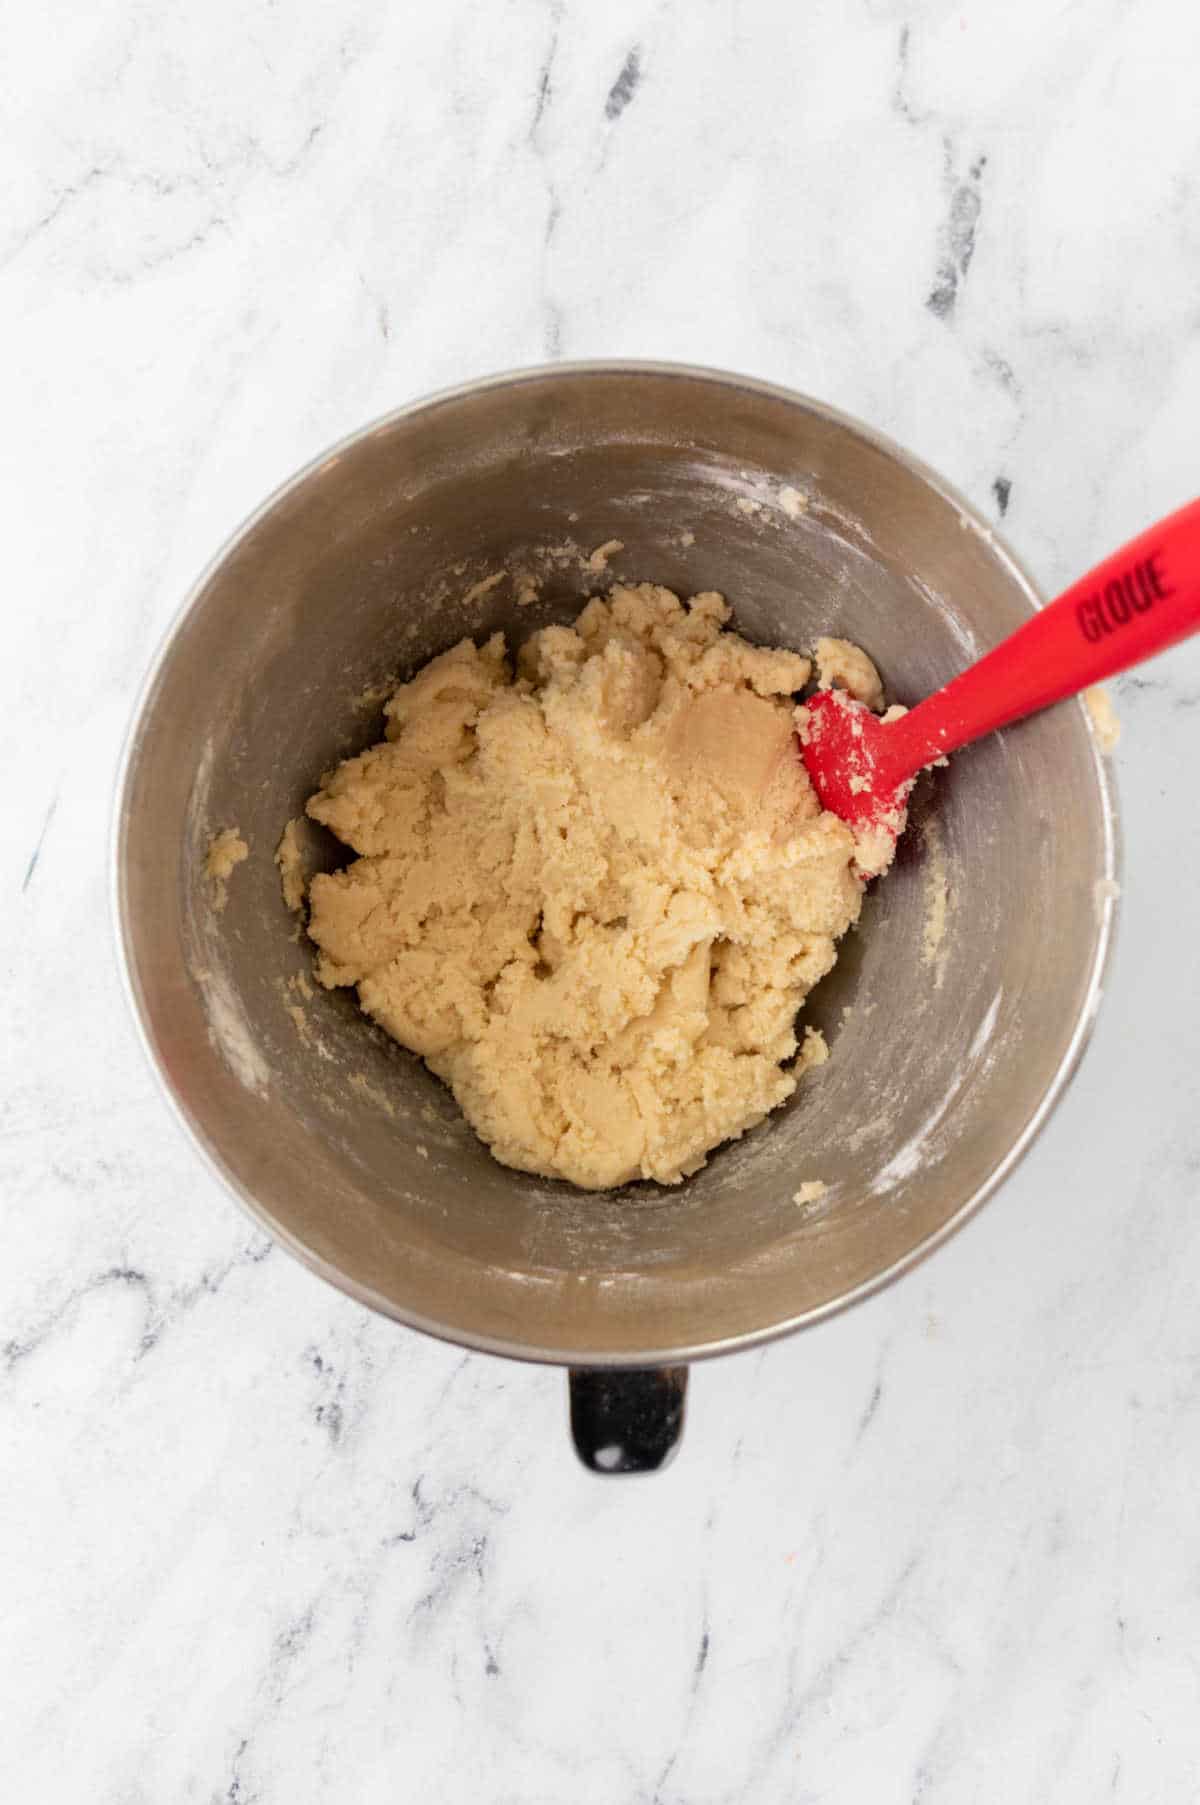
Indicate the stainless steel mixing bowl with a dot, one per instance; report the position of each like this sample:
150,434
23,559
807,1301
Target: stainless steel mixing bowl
342,1145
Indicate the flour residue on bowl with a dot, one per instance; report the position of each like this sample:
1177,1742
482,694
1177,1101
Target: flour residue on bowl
907,1157
921,1146
769,503
986,1028
937,899
363,1085
229,1029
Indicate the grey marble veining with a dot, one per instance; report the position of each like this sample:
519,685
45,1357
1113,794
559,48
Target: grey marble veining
258,1546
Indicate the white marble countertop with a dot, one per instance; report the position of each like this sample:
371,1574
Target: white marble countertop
259,1546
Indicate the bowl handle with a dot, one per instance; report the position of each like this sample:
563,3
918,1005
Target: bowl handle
627,1419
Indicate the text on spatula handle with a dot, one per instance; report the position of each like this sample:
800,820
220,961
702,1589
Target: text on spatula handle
1134,592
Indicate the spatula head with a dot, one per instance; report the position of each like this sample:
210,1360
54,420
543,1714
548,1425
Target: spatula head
842,746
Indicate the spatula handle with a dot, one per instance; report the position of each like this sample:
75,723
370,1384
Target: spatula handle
1139,601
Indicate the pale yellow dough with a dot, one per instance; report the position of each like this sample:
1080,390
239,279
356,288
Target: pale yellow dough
593,894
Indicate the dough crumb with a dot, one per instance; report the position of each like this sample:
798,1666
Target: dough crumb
844,666
793,502
528,588
687,537
810,1192
748,506
226,850
599,559
290,861
593,886
1104,718
484,587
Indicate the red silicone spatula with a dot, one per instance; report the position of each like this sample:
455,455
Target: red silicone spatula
1138,602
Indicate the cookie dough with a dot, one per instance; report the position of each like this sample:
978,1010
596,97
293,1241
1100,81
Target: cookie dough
593,892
